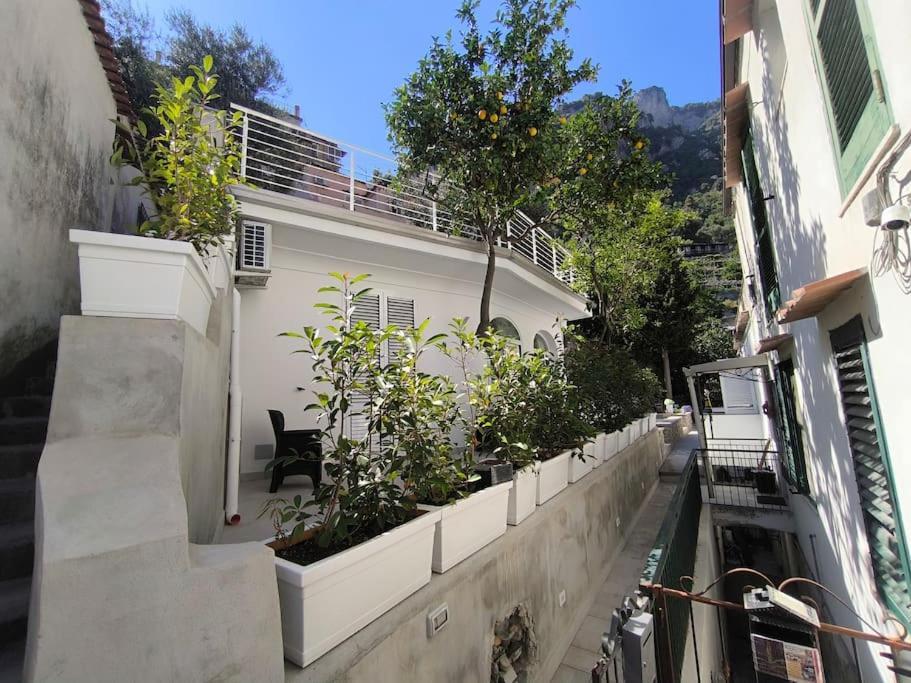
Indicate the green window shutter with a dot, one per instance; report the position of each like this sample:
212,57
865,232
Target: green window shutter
768,273
846,54
793,460
881,516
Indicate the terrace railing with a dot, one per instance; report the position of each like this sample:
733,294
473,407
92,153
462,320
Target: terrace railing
742,473
283,157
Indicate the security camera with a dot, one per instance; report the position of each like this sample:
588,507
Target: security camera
896,217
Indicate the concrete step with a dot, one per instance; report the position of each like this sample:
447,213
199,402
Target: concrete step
25,406
17,550
23,430
19,460
12,656
14,596
17,500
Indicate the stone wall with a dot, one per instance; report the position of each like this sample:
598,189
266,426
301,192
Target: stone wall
55,135
567,545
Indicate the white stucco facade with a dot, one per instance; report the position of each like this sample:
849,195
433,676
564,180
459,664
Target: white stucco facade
442,275
818,231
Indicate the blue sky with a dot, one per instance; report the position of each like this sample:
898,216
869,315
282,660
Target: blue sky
343,58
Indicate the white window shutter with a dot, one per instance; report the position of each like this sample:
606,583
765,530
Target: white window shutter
739,393
255,244
399,312
366,309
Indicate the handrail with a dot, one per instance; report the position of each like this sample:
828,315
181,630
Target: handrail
288,158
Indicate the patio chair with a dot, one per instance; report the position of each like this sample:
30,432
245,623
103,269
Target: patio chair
304,443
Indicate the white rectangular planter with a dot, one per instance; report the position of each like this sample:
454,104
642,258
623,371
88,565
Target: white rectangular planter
624,439
522,495
643,425
140,277
634,431
579,467
611,445
468,525
326,602
553,477
652,421
599,449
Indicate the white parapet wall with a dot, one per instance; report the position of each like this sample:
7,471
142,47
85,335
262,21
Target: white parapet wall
566,548
132,474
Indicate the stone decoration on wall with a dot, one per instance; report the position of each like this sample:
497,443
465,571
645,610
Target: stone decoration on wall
515,648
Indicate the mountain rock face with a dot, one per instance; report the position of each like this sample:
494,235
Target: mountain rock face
658,113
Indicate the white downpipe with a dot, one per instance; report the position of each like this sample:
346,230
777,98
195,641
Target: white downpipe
235,403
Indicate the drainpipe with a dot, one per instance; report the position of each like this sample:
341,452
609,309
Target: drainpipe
235,401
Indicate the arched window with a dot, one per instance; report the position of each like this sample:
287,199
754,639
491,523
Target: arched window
505,328
545,342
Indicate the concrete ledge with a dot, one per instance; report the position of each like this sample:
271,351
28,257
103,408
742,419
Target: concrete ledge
568,545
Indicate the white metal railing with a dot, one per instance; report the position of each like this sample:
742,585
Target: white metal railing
284,157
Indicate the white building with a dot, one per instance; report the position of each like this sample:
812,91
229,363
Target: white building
316,206
817,109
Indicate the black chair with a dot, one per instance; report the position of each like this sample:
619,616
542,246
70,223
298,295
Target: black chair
304,444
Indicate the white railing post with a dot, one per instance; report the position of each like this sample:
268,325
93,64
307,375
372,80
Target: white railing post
553,251
243,147
509,234
351,168
433,215
534,246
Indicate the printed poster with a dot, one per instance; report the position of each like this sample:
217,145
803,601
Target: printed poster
788,661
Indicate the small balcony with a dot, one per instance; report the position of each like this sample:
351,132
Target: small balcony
281,156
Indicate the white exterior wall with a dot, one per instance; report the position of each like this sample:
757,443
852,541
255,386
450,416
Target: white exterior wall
443,276
818,234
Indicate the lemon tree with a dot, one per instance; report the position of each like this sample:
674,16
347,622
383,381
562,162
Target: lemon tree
482,113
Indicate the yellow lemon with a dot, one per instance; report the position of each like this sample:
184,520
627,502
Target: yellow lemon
499,96
583,171
502,108
532,131
562,120
482,114
589,157
493,136
639,144
494,118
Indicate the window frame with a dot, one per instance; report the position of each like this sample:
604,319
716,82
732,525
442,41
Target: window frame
790,430
771,292
873,126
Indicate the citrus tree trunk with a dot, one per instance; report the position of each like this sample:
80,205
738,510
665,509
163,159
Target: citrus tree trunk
666,361
484,321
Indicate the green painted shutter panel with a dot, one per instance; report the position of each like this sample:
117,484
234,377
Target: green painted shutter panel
768,273
844,58
793,460
871,469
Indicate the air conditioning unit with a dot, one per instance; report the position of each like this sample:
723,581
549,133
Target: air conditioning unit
255,245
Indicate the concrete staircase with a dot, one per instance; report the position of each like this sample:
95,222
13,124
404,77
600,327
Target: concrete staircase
23,427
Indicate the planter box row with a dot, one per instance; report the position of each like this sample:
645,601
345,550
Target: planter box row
328,601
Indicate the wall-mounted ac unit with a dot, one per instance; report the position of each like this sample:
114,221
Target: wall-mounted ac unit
255,245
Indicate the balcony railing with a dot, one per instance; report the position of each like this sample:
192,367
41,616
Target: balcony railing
283,157
743,473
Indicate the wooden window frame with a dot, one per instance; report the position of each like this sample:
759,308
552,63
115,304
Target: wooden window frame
793,457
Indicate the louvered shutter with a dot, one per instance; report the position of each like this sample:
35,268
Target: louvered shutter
792,456
765,250
849,67
254,246
885,536
366,309
399,312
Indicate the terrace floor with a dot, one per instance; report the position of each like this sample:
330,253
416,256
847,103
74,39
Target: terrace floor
252,495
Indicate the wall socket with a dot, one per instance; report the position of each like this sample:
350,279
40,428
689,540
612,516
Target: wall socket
562,598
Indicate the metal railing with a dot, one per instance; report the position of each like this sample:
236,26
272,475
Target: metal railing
283,157
742,473
674,556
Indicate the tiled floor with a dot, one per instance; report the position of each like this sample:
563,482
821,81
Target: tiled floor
251,497
622,580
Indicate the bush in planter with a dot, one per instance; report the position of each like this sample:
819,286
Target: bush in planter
188,167
611,389
365,496
417,412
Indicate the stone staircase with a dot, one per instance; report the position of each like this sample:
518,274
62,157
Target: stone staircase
23,427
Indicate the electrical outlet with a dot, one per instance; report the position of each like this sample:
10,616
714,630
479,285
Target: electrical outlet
437,619
562,598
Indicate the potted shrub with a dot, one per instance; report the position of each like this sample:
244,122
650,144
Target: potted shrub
368,546
160,273
495,382
417,413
